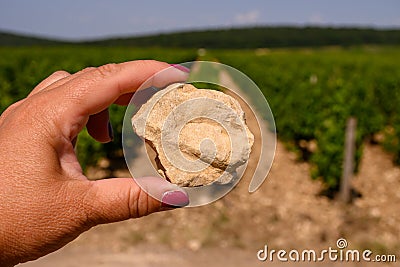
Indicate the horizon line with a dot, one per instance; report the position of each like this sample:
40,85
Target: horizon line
202,29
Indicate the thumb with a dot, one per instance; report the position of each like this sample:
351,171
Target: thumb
118,199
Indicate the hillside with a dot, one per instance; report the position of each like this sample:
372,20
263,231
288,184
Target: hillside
253,37
11,39
262,37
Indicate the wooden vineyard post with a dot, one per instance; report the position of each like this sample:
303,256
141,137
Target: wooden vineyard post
348,162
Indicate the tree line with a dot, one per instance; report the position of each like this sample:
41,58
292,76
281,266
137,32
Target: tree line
235,38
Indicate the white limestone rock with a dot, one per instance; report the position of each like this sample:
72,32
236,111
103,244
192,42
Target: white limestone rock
200,135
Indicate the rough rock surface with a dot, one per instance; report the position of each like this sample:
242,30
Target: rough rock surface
200,135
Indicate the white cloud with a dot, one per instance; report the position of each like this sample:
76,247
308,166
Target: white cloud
249,17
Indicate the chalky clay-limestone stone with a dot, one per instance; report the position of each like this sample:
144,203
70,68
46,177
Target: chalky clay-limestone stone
200,135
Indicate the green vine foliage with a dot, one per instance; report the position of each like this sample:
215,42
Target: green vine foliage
22,68
312,93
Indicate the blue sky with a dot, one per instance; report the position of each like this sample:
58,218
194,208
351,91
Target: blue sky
103,18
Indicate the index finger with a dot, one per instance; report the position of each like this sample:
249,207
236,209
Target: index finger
95,90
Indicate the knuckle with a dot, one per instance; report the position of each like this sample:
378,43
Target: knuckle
134,203
10,109
60,73
89,216
87,69
13,106
108,70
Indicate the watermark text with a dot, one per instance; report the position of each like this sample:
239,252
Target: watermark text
339,253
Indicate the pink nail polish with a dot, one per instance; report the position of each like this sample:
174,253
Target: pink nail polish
180,67
175,199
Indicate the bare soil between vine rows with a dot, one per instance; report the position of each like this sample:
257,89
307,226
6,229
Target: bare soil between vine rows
287,212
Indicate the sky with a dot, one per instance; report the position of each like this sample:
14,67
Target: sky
92,19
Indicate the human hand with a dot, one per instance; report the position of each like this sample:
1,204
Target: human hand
45,200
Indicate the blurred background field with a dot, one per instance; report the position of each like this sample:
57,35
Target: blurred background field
311,93
314,79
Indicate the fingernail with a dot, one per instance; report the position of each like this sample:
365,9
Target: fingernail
180,67
110,131
174,199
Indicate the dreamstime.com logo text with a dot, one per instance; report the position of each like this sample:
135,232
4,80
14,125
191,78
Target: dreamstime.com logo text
340,253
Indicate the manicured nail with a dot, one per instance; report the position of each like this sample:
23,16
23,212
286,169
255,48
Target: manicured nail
174,199
180,67
110,131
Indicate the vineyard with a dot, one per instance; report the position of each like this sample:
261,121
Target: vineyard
312,92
